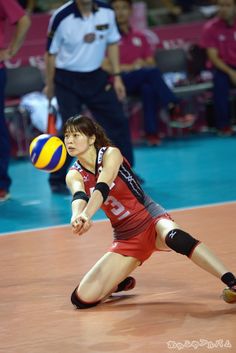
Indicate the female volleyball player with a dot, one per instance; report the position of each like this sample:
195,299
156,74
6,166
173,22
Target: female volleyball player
101,177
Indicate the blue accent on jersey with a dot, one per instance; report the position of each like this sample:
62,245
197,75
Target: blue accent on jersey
60,16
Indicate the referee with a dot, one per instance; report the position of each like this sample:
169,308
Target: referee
79,34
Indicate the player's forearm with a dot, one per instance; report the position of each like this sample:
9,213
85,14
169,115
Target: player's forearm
19,35
78,207
94,204
114,58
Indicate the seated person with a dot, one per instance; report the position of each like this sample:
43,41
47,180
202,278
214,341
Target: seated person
141,76
218,37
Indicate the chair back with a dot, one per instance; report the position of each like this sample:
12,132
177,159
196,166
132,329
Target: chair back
23,80
171,60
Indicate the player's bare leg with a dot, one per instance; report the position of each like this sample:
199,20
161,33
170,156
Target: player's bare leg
199,253
104,278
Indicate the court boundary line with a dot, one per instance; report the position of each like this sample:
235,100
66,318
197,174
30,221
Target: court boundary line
217,204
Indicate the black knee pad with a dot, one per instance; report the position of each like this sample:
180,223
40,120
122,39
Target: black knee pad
181,242
80,304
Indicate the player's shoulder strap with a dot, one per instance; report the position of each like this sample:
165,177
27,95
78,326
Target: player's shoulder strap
101,152
77,166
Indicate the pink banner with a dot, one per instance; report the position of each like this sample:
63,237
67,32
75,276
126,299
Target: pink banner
179,35
32,52
34,46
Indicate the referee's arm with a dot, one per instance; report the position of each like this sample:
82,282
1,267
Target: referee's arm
114,58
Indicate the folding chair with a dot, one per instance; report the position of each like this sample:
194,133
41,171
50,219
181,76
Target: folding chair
176,60
20,81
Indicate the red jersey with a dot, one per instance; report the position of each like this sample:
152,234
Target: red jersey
128,208
133,46
219,35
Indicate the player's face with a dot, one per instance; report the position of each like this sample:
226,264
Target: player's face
77,143
226,9
123,11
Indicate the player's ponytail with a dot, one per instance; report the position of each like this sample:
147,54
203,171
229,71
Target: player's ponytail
101,137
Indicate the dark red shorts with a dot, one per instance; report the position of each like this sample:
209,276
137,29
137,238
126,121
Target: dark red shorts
140,246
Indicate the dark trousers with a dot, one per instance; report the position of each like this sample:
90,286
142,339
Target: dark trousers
5,180
93,89
221,93
148,84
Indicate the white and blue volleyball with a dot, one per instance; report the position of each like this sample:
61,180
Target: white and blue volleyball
47,152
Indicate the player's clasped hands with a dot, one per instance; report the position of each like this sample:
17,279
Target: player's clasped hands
80,224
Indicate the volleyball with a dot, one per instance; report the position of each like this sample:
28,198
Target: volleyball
47,153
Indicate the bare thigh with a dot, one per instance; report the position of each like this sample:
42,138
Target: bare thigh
163,227
105,275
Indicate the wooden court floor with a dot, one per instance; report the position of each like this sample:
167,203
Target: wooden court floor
174,307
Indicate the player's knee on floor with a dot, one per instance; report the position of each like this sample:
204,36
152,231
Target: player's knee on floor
181,242
81,304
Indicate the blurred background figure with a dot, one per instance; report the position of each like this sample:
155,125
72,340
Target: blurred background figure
219,39
141,76
10,11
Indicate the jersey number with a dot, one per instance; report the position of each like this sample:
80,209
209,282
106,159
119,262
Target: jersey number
117,207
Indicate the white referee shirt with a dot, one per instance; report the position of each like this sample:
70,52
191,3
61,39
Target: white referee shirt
80,43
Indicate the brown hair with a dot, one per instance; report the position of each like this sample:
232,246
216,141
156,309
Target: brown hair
88,127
